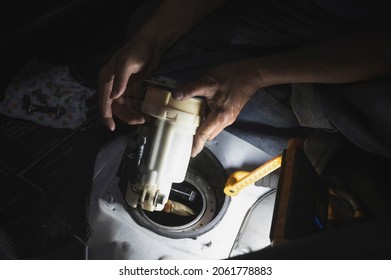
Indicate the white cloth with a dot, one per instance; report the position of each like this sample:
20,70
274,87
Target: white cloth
49,86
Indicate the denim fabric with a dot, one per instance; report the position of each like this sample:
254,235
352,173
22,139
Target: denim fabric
361,112
307,108
249,28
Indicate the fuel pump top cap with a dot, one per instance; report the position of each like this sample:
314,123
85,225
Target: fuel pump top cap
159,103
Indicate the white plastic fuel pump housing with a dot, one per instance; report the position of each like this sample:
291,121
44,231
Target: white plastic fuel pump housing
162,149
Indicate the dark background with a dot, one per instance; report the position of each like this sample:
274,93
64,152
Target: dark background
45,173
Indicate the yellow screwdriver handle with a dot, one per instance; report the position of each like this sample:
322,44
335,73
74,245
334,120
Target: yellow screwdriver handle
241,179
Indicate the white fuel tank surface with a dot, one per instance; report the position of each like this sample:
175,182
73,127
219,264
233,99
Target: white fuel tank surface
221,227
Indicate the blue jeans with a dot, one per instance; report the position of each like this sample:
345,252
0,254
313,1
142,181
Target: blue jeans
247,28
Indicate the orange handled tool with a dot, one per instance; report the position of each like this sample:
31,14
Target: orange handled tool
241,179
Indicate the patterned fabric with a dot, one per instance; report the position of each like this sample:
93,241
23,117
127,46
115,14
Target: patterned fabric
44,85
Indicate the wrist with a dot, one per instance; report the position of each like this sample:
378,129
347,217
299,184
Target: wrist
149,38
267,71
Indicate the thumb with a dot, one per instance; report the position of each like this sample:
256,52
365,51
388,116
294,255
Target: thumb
202,87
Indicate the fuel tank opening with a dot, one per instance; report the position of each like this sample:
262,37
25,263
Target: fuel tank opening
201,195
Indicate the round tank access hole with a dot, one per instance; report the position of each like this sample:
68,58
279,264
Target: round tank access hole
202,191
186,194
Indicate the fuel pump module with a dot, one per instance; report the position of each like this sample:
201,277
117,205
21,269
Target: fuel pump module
159,154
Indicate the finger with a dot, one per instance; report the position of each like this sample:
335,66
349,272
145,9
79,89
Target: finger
107,114
123,71
202,87
135,88
105,102
123,112
208,130
134,115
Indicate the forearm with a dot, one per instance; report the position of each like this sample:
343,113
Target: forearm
173,18
357,57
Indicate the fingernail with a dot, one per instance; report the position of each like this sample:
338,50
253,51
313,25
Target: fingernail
177,94
111,127
113,94
141,119
138,120
109,124
195,152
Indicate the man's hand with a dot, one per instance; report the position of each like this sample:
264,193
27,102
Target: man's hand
121,80
227,88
